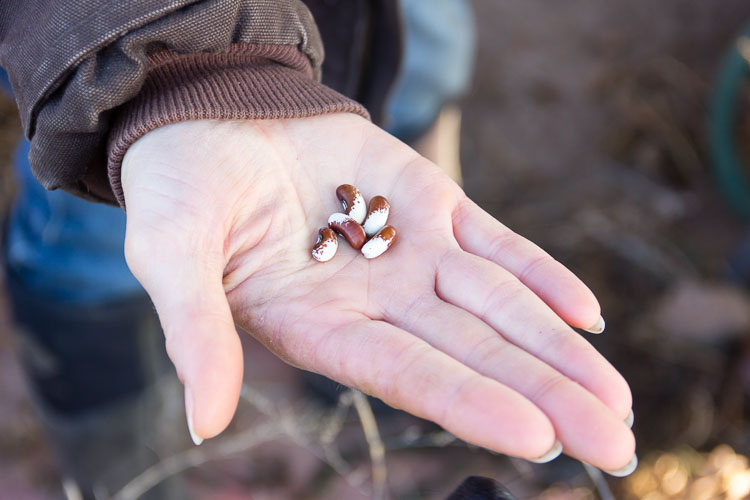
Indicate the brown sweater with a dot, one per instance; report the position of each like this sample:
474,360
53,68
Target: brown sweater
92,76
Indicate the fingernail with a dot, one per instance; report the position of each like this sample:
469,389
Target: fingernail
598,327
189,413
552,454
625,471
630,419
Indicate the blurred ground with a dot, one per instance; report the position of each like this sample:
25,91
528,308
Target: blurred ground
585,131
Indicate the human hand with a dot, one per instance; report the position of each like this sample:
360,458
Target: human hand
461,322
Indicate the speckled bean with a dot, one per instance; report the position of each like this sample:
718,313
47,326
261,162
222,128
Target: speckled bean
379,243
377,215
349,229
326,246
352,201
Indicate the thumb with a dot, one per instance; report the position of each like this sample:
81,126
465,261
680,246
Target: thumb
186,288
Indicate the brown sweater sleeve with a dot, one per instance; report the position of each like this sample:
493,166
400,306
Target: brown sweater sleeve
92,76
244,82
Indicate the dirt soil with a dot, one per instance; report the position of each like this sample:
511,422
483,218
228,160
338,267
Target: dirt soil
586,132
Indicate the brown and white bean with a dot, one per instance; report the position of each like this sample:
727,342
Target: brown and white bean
377,215
379,243
326,246
349,228
352,201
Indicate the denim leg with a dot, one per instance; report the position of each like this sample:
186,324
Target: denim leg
5,82
440,42
61,247
65,248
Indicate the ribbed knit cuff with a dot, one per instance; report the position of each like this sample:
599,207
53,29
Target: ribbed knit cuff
246,82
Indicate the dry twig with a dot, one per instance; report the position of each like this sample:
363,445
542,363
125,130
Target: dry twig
374,443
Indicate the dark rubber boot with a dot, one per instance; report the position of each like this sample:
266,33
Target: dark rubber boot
481,488
104,388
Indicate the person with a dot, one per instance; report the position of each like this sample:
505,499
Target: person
207,123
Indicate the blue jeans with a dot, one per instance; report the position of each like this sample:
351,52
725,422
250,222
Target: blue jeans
71,250
439,46
62,247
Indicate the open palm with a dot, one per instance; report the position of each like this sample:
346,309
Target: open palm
462,321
